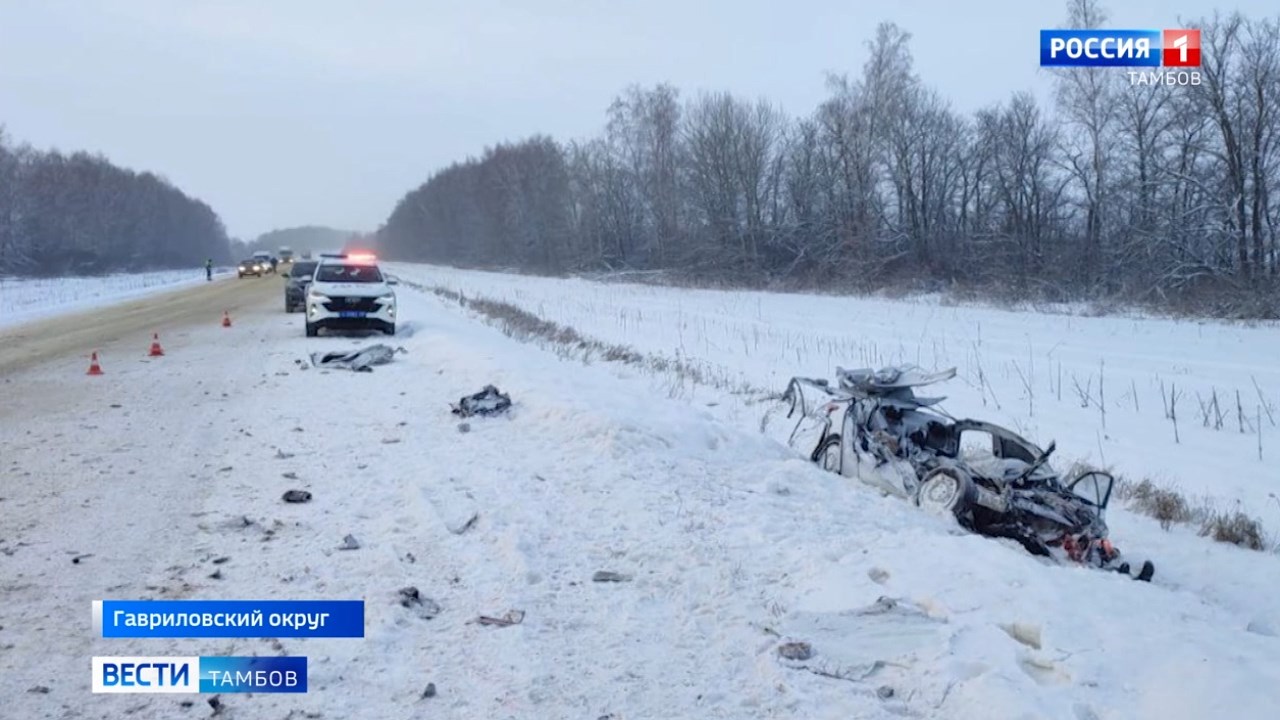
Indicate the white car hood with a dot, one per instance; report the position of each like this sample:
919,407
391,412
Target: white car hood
349,289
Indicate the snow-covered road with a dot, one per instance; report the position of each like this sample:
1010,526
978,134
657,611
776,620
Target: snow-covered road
164,479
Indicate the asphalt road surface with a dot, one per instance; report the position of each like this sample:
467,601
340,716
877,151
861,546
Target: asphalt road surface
127,327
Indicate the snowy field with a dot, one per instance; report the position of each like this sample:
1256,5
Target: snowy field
1104,388
25,299
731,545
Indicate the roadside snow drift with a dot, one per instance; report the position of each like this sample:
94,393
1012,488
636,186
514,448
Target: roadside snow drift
28,299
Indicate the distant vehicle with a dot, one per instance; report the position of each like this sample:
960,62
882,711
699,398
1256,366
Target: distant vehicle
252,266
306,254
349,292
296,280
285,254
264,259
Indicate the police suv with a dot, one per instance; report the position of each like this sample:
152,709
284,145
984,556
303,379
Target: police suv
349,292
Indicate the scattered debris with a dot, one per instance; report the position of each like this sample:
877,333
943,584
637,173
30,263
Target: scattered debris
289,475
226,469
116,405
216,575
610,576
795,650
39,689
470,522
1025,633
409,558
512,617
429,692
390,441
220,560
296,496
878,575
488,401
884,692
361,360
1261,627
464,427
349,543
187,703
215,702
427,608
76,560
282,455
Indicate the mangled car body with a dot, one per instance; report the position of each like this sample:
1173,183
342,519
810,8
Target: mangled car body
873,427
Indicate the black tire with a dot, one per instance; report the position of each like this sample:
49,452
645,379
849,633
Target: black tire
312,330
827,454
391,330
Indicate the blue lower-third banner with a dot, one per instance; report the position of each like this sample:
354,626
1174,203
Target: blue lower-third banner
199,674
228,618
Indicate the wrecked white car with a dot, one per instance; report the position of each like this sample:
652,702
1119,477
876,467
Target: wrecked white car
873,427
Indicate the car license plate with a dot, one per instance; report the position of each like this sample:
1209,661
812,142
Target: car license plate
351,314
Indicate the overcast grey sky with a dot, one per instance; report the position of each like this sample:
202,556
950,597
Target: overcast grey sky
290,112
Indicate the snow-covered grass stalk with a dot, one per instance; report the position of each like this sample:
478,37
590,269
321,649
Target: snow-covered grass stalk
1169,506
568,343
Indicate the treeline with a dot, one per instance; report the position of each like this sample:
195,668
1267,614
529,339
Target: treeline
314,238
80,215
1155,193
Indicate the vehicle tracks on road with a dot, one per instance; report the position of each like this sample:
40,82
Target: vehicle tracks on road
111,327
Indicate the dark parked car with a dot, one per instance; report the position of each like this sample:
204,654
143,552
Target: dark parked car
252,266
296,279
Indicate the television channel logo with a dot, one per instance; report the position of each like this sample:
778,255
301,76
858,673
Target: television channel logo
1120,48
199,675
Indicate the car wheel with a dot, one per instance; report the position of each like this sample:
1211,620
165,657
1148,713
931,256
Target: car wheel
391,330
827,454
945,491
312,330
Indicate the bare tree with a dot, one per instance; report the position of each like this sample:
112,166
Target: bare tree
1150,193
1087,98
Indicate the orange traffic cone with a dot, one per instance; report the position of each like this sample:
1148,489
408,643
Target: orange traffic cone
156,350
94,367
226,319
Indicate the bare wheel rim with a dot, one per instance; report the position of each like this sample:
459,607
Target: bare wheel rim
831,457
940,494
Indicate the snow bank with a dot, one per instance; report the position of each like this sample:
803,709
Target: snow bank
1103,387
25,299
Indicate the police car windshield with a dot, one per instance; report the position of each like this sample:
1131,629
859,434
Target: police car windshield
348,274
